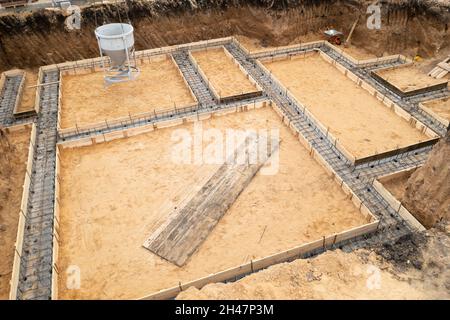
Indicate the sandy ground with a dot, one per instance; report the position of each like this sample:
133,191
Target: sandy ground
352,114
440,107
397,186
29,94
114,194
226,77
12,173
85,100
409,78
333,275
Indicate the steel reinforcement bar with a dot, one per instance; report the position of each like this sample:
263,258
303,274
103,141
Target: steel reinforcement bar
153,118
36,258
194,79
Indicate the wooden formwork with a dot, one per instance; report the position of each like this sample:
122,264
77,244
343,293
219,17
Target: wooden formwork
283,50
14,282
184,79
364,63
395,203
132,131
298,252
56,237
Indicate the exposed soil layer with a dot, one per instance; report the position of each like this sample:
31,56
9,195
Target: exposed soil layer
86,100
409,78
427,194
113,196
350,112
225,77
414,267
13,159
408,27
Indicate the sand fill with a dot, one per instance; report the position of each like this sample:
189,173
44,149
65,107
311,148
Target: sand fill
29,94
113,195
440,107
13,158
409,78
224,75
85,99
352,114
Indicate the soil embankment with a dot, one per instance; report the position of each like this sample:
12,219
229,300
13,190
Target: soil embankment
408,27
427,194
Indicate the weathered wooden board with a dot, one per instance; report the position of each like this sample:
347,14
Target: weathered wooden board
191,224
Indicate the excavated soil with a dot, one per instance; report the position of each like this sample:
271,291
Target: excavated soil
13,159
113,195
427,194
414,27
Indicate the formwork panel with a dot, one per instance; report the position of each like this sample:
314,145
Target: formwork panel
352,114
114,194
86,101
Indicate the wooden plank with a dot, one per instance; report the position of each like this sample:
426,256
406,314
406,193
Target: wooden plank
189,226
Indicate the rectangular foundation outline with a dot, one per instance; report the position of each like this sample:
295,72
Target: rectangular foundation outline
434,137
408,93
214,91
130,117
326,242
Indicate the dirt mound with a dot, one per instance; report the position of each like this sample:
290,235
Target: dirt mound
427,194
383,272
408,27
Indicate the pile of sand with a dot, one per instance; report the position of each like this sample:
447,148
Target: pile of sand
427,194
387,272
